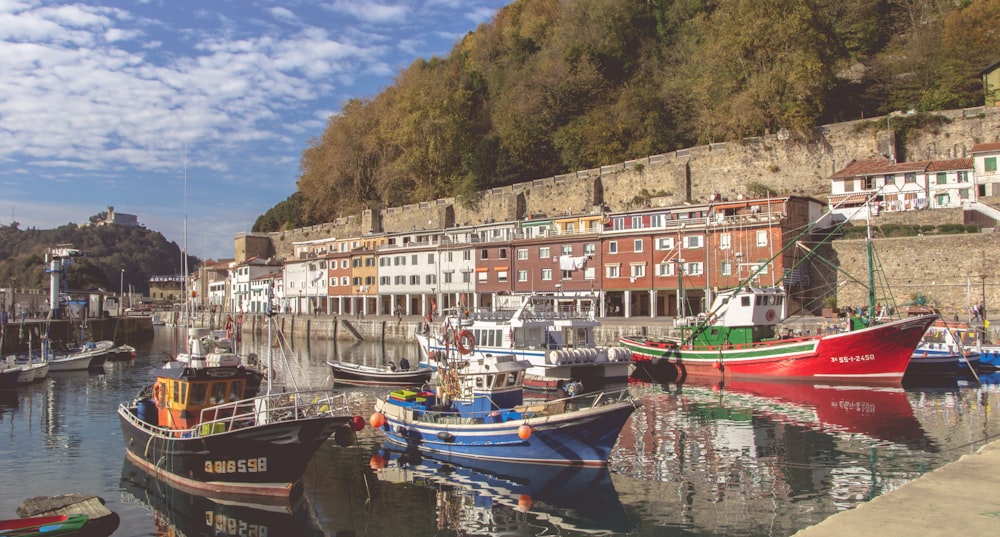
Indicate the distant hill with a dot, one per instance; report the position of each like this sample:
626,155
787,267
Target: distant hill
107,250
549,86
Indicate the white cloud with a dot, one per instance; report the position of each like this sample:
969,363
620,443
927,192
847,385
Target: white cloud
371,12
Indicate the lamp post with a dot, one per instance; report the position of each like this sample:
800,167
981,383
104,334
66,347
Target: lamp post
121,294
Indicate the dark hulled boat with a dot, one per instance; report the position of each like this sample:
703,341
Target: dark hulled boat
201,425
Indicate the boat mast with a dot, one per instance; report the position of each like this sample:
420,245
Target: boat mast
870,251
184,261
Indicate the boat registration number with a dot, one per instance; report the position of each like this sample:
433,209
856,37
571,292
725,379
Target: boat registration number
856,358
227,525
236,466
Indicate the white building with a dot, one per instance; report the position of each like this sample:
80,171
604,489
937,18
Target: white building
985,157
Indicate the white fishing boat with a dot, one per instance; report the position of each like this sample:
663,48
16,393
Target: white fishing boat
554,333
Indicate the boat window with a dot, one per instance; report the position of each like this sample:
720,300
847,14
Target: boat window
744,301
176,392
479,381
493,338
218,393
512,379
199,391
236,390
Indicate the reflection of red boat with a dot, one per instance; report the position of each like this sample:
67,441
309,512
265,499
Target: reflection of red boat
879,413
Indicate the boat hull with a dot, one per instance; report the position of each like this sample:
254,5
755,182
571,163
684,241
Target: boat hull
260,460
584,437
875,355
355,375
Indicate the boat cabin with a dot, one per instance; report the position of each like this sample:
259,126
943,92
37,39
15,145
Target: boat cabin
182,393
483,384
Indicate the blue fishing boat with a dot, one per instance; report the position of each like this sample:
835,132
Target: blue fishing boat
478,411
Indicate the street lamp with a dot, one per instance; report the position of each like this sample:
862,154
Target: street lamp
121,294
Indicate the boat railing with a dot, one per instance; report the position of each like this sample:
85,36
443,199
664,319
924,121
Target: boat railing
281,407
272,408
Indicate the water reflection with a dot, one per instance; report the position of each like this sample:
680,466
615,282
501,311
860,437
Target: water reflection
491,498
179,512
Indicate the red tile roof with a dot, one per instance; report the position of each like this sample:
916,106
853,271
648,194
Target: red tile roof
949,165
992,146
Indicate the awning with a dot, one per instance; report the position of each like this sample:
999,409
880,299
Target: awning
498,269
724,206
848,199
482,269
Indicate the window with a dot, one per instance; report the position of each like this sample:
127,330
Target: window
942,178
345,281
567,274
611,271
725,241
384,261
589,273
638,270
430,259
869,183
567,249
481,276
665,243
522,254
484,254
761,237
466,277
369,280
414,279
503,253
637,245
990,164
618,223
636,222
692,241
546,274
910,178
963,176
467,255
522,275
761,265
570,228
890,179
727,268
693,269
848,186
612,247
501,275
656,220
451,256
589,248
544,252
665,269
448,276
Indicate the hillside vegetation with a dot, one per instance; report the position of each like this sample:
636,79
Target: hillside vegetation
550,86
108,250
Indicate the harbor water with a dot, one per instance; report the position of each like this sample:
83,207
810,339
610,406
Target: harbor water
743,459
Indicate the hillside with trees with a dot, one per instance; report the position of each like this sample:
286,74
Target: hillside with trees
107,250
551,86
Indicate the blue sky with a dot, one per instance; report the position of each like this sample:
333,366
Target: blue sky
117,102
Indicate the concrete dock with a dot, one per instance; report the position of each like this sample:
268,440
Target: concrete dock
960,499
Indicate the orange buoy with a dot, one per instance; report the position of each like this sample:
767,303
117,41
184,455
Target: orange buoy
717,365
524,503
377,462
524,431
377,420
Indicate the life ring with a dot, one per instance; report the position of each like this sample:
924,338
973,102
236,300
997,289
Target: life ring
769,315
466,342
158,394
